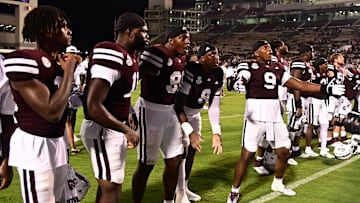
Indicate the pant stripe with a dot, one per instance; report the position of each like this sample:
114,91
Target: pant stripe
104,168
26,191
142,144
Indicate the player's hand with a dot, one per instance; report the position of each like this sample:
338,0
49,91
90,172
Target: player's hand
298,113
133,123
133,138
216,144
195,139
68,62
239,87
6,175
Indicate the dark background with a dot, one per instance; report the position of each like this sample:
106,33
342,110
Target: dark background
93,21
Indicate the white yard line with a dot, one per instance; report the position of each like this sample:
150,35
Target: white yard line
296,184
233,116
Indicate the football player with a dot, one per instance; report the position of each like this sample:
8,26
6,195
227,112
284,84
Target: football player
41,81
337,75
7,108
261,79
279,50
203,81
317,112
161,70
112,77
73,105
351,82
301,69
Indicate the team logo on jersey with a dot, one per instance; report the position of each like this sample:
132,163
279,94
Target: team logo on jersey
46,62
170,62
199,80
216,82
129,61
254,66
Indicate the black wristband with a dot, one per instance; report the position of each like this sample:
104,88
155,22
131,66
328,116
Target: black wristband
298,104
323,90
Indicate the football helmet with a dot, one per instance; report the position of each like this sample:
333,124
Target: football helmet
269,161
355,144
352,122
76,187
82,185
343,151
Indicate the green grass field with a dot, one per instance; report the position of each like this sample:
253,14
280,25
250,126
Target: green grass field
316,180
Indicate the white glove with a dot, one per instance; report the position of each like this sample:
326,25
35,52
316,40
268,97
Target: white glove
335,89
239,87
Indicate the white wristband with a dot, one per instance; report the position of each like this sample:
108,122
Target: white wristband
216,129
187,128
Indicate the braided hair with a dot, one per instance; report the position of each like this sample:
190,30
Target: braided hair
43,21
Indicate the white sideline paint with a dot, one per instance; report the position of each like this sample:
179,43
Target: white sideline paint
296,184
233,116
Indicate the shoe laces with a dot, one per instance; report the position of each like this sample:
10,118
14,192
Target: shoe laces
234,195
258,163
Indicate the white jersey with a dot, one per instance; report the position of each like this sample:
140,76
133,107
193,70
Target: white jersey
7,104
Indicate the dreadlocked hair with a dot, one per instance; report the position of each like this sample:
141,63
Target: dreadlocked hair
43,21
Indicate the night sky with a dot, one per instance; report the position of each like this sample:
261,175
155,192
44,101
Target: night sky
93,22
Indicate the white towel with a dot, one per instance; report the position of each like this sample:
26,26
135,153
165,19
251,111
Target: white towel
270,131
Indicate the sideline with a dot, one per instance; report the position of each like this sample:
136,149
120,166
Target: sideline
296,184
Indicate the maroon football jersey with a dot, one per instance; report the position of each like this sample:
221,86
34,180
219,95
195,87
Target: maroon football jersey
264,80
352,86
203,84
113,56
320,78
25,65
336,75
160,88
305,67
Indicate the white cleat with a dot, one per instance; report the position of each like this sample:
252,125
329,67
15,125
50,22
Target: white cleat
304,155
311,153
181,197
233,197
76,139
283,189
192,196
336,144
292,162
261,170
326,154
